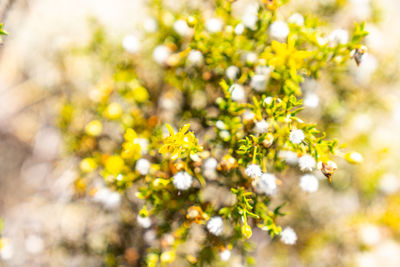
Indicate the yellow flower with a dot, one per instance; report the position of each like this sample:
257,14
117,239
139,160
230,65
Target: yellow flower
114,164
167,256
181,143
87,165
140,94
94,128
131,149
113,111
287,55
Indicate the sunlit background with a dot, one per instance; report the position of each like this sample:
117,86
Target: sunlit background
354,222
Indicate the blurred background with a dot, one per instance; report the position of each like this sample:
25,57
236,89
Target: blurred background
356,222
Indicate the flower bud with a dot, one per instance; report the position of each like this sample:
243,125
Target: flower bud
353,157
269,139
246,231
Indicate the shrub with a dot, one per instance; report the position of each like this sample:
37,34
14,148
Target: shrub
207,101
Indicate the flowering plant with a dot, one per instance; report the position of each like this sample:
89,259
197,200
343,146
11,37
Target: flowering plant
235,86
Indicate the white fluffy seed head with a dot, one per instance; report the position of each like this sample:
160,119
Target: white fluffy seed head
251,58
306,163
182,180
214,25
253,171
195,58
181,28
267,184
143,166
108,198
338,36
259,82
232,72
279,30
143,143
290,157
210,164
297,19
309,183
250,16
237,92
215,225
261,126
288,236
296,136
131,44
150,25
311,100
248,115
225,255
161,54
239,29
144,222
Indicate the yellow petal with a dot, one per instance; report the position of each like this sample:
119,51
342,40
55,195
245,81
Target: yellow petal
170,129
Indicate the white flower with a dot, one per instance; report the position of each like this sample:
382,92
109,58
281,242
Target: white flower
296,136
338,36
253,171
210,164
250,16
279,30
161,54
214,25
143,166
261,126
181,28
306,163
311,100
309,183
150,25
267,184
259,82
131,44
225,255
145,222
215,225
232,72
288,236
237,92
297,19
239,29
182,180
195,58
